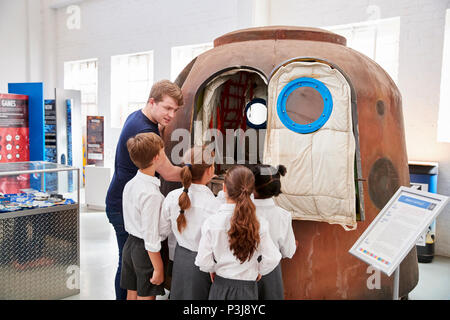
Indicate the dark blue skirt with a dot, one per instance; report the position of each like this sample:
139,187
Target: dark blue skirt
270,286
188,282
230,289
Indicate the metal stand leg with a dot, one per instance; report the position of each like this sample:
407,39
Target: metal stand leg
396,284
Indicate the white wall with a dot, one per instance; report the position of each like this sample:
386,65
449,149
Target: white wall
419,76
27,48
13,34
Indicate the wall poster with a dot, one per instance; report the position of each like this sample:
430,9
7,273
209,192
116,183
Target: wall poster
95,140
14,139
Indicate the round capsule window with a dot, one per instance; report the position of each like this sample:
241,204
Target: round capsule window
256,113
304,105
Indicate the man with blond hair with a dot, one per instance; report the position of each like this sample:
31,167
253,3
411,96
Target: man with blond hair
164,101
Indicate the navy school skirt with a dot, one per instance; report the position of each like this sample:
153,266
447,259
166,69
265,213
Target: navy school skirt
230,289
188,282
270,286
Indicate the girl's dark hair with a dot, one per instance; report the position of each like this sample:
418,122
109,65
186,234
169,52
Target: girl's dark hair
267,180
197,160
244,226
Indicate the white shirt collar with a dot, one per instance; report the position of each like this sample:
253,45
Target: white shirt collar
227,207
200,188
264,202
148,178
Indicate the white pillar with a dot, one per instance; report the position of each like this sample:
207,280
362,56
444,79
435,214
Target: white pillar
261,13
48,49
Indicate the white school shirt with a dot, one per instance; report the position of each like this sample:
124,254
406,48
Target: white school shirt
280,225
203,205
141,209
172,244
221,197
214,254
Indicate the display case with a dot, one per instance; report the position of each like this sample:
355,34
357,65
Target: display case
39,230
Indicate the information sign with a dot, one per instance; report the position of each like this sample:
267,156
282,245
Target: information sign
396,229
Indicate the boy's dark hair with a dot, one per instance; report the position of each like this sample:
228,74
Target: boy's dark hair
267,180
143,148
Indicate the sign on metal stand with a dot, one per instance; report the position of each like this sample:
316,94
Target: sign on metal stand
396,284
396,229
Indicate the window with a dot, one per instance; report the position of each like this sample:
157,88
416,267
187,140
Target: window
256,113
82,75
181,56
377,39
131,81
304,105
444,103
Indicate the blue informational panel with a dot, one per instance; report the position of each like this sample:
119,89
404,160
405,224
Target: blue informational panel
50,131
51,179
68,112
35,93
69,132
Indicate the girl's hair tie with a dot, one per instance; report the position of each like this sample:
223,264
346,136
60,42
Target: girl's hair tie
188,165
181,211
185,190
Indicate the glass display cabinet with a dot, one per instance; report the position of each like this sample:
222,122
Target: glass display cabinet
39,230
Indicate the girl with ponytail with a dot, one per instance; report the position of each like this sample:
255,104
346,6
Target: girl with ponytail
268,186
183,212
234,240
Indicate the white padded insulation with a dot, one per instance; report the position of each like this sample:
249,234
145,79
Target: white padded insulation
319,183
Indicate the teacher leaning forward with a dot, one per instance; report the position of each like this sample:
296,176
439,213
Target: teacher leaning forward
164,101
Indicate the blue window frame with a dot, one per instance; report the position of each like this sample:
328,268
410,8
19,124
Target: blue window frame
284,95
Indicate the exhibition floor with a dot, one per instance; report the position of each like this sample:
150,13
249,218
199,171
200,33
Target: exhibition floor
99,262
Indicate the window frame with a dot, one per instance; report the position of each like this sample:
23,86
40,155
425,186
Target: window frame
291,87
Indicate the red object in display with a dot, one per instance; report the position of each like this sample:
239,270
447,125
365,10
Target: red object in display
14,145
14,139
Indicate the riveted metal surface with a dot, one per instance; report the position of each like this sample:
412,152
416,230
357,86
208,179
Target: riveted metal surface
39,255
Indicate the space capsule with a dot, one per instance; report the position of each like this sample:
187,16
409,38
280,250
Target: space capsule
328,113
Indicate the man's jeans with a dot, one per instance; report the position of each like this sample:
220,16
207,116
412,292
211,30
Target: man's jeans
116,219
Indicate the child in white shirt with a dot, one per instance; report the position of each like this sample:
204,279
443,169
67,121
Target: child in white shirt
234,239
183,212
267,186
142,267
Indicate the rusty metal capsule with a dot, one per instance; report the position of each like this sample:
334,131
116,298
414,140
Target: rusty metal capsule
370,124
